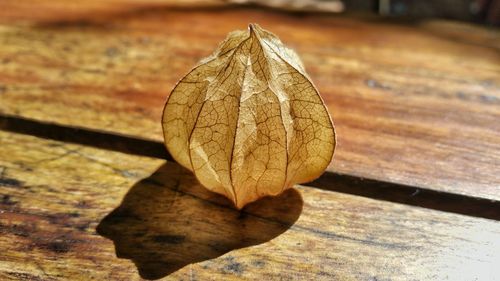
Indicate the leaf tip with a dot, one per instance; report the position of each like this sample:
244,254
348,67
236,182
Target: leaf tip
252,27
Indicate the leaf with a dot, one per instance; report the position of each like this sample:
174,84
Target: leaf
248,121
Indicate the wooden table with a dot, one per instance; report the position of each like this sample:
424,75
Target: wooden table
413,192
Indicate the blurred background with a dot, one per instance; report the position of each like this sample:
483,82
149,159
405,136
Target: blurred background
479,11
483,11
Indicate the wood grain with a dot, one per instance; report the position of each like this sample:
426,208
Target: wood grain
376,189
57,197
414,103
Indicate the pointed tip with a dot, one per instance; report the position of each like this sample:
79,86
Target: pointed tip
236,206
252,27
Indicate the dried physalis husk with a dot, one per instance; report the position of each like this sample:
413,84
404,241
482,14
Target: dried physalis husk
248,121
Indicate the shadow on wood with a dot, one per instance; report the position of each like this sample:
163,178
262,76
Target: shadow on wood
169,220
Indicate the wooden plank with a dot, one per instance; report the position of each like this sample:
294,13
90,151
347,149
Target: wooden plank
387,191
55,198
61,10
415,104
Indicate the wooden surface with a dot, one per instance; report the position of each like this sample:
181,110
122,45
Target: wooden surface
416,108
60,202
62,10
415,104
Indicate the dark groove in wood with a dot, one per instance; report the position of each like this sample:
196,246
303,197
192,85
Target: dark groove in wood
375,189
84,136
409,195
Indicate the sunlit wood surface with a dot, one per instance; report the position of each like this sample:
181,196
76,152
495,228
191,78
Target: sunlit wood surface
417,104
60,202
414,103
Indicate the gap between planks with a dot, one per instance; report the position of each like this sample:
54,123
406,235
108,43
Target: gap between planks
349,184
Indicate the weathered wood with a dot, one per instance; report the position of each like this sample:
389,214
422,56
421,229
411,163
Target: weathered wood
416,104
56,197
382,190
